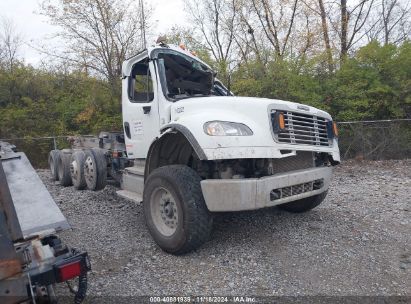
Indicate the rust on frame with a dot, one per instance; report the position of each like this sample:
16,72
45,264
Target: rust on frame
9,268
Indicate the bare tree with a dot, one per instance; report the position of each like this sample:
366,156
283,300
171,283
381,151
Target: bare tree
395,21
353,22
319,9
326,36
256,31
277,21
246,36
99,34
311,36
10,43
215,20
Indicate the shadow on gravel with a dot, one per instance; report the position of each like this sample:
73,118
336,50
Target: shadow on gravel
254,228
355,243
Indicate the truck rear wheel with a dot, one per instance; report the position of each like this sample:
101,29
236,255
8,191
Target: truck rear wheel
176,214
304,204
54,157
64,168
95,169
77,170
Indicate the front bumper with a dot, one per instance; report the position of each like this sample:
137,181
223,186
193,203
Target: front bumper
254,193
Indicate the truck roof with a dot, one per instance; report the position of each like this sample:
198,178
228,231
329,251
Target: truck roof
146,53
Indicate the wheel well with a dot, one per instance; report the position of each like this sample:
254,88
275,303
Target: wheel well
173,148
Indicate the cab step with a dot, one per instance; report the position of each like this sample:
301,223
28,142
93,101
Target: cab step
137,170
133,182
130,195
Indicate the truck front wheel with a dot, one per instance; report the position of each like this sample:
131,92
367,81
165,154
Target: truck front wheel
304,204
176,214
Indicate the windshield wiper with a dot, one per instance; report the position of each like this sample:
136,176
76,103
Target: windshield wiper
185,96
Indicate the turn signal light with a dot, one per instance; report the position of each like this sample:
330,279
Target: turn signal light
335,130
281,121
182,46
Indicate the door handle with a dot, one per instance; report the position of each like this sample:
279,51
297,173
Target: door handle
127,129
146,109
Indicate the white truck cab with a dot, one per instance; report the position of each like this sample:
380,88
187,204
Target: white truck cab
197,149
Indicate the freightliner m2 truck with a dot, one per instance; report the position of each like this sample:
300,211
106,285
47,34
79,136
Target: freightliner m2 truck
190,148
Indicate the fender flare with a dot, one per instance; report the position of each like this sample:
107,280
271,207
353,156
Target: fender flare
190,137
185,132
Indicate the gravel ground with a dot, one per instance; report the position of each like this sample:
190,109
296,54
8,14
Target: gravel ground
358,242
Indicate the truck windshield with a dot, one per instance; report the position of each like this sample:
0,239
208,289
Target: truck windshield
184,77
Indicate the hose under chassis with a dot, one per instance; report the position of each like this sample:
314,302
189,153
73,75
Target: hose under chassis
81,292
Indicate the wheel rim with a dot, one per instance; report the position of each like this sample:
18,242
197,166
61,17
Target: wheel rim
74,169
89,172
164,211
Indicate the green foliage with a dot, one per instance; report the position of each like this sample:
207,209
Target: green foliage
40,103
375,83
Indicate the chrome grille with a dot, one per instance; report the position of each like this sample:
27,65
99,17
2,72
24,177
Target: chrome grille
303,129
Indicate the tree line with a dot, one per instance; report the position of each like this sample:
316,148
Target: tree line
351,58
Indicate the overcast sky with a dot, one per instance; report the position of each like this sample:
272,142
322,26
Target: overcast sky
35,29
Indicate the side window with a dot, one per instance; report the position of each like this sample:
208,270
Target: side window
140,84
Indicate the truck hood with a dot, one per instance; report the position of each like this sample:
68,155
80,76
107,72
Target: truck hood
193,113
240,105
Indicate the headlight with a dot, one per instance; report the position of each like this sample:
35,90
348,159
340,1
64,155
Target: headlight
226,128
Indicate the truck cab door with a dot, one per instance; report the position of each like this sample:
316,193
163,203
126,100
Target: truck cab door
140,108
